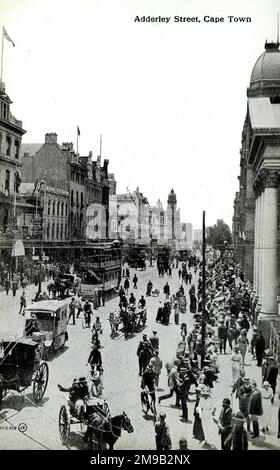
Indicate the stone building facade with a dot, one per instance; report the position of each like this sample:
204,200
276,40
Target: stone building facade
256,221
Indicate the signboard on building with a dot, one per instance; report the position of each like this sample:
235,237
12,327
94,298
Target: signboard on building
18,249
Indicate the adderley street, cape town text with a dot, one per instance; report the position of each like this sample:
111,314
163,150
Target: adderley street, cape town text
192,19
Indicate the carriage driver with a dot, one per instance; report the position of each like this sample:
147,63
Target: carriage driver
77,394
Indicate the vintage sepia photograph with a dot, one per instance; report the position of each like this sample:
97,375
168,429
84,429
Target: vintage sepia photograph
139,226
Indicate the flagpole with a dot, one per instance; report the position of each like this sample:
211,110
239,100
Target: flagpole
15,196
2,55
77,141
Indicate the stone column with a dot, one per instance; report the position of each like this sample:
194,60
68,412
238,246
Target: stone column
269,217
256,242
261,245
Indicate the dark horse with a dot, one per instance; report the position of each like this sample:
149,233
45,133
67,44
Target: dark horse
102,432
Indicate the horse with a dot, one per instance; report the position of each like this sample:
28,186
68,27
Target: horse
107,431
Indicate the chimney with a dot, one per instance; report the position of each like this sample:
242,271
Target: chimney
51,138
105,166
69,146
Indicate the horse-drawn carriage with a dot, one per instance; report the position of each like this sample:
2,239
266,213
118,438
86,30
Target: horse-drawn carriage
101,429
64,285
21,367
131,319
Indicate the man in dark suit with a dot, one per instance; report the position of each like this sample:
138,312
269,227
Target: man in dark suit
271,373
224,424
259,348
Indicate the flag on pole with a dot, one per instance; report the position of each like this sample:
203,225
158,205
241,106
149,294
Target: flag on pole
6,36
78,131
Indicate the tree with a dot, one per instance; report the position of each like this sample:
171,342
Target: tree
218,234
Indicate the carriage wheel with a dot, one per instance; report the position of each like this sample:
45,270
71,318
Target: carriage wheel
145,403
40,382
64,424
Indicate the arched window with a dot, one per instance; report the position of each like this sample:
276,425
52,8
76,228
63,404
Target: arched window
53,212
62,209
49,207
58,207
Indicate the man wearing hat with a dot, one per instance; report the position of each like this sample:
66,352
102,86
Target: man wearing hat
163,440
156,362
173,380
148,381
224,424
255,408
244,394
271,373
144,353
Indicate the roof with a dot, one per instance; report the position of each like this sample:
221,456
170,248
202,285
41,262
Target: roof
24,340
264,114
29,148
46,305
267,66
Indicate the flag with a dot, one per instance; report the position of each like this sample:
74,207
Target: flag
78,131
6,36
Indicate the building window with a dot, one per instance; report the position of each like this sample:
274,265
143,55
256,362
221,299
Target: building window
49,207
62,209
53,230
57,231
77,198
81,220
17,149
66,210
65,231
48,231
61,232
82,200
72,197
58,207
8,145
7,181
53,212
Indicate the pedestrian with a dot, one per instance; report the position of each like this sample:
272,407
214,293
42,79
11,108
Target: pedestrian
198,432
103,296
243,342
72,309
173,379
271,374
166,290
224,424
154,340
183,388
259,348
222,335
267,395
14,286
163,440
159,313
236,364
239,436
179,273
144,353
7,285
244,394
135,280
156,362
79,307
183,331
255,408
183,444
22,303
253,341
176,312
126,285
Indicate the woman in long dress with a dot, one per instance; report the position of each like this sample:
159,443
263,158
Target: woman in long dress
243,342
198,432
267,395
237,362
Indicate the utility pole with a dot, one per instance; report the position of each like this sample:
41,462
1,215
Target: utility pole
204,316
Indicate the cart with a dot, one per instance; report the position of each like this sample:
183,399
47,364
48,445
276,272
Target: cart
21,368
68,417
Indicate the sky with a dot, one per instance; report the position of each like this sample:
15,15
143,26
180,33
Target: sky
168,98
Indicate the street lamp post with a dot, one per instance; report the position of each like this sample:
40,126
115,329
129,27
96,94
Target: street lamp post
204,319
